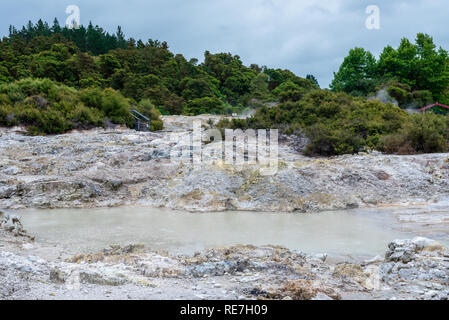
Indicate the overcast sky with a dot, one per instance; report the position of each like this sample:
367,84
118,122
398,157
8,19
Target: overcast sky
305,36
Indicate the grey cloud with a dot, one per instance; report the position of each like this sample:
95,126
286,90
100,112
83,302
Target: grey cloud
306,36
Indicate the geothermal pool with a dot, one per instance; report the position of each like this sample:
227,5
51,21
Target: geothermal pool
349,232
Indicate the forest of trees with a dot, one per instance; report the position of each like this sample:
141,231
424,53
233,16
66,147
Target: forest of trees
414,74
92,58
53,79
349,118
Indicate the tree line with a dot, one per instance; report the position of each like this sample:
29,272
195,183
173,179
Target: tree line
89,57
414,74
53,79
364,108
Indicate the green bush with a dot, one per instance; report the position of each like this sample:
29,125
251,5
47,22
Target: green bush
204,105
289,91
335,123
422,98
4,99
7,116
397,143
89,57
84,117
423,133
92,97
146,108
328,141
163,111
52,122
89,82
112,103
427,133
13,92
157,125
28,116
47,107
116,107
402,96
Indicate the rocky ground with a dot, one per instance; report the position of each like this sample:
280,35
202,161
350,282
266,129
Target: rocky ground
411,269
117,167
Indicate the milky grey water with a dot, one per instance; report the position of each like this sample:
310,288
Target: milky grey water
354,232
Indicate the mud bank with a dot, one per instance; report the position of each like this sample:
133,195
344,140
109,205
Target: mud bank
410,269
100,168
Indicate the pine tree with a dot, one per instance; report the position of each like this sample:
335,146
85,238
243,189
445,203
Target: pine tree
121,41
312,78
56,26
12,31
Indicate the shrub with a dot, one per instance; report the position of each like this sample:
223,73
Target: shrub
110,102
7,116
13,92
204,105
89,82
422,98
335,123
92,97
427,133
28,116
423,133
84,117
47,107
289,91
116,107
163,111
397,143
327,141
4,99
402,96
53,122
157,125
146,108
